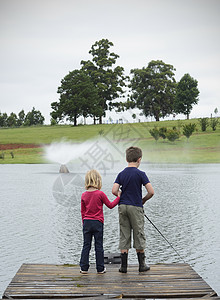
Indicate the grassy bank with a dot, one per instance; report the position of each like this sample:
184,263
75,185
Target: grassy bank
202,147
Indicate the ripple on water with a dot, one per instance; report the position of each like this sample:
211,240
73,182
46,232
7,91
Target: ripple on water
41,222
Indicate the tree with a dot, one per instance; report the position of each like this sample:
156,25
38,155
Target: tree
34,117
186,95
21,118
153,89
213,123
12,120
134,116
53,122
204,123
188,129
172,134
3,120
109,81
78,96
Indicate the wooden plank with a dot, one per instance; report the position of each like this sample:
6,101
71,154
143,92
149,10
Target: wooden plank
42,281
120,297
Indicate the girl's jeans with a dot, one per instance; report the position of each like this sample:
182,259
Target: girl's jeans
92,228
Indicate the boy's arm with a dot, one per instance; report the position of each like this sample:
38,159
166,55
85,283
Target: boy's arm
150,192
115,189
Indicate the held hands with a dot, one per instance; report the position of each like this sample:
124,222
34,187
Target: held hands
119,193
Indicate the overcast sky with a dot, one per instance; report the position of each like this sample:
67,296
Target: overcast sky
42,40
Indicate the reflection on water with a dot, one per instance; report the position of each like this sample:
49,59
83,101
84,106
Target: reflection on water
40,217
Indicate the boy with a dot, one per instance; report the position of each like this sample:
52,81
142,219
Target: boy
131,212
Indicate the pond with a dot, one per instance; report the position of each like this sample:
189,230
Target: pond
40,219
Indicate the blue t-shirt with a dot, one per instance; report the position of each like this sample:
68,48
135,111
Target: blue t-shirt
131,180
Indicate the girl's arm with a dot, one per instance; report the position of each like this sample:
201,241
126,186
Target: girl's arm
83,209
108,203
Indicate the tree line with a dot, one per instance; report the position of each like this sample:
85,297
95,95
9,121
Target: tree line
33,117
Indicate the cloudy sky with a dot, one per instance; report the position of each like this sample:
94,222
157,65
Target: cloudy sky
42,40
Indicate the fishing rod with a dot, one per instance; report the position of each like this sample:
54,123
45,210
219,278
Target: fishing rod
164,237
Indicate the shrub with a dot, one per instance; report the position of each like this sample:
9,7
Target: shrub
204,122
214,123
53,122
162,132
154,133
188,129
172,135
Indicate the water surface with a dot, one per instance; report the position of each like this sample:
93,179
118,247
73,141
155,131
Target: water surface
40,219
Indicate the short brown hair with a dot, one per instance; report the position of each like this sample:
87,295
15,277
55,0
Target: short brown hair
133,154
93,179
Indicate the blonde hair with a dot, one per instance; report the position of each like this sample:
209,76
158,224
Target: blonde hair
93,179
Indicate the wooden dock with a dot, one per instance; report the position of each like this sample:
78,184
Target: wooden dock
44,281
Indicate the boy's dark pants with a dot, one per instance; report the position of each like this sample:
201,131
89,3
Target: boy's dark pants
92,228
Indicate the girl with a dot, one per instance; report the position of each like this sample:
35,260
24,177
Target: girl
93,220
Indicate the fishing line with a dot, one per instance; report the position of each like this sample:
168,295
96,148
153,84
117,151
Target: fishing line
164,237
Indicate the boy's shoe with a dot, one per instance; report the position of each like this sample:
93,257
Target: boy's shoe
83,272
102,272
124,262
142,266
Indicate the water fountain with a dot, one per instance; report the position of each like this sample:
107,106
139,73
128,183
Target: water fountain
63,169
93,152
63,152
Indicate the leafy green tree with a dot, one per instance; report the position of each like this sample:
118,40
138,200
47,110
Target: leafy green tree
3,120
12,120
109,81
204,123
213,123
216,110
172,134
53,122
155,133
34,117
78,96
188,129
187,94
134,116
21,118
153,89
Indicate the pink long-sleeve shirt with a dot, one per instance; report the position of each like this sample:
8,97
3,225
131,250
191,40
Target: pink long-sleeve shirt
92,205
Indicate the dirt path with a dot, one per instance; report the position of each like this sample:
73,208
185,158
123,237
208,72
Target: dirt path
18,146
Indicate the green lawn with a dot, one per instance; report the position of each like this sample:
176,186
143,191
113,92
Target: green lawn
202,147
